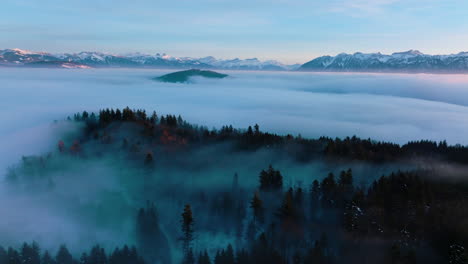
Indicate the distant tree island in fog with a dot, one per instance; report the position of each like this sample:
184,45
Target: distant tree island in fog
184,76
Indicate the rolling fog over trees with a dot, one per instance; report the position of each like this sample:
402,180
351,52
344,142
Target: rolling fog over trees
129,186
391,107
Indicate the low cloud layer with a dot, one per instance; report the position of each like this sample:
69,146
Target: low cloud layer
390,107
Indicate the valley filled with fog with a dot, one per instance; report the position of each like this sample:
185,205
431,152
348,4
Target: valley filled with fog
75,172
389,107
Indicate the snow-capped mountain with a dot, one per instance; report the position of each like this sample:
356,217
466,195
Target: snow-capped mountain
247,64
408,61
17,57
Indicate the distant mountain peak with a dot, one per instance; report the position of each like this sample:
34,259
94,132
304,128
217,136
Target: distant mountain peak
25,52
409,52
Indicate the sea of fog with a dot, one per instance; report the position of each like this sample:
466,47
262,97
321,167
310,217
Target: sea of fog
390,107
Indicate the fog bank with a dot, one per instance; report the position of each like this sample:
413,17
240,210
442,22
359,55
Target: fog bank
390,107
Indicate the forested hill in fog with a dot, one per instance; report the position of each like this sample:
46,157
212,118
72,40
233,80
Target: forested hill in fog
175,192
185,76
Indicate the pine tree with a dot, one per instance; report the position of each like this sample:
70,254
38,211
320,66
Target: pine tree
314,197
154,118
84,116
287,209
257,206
249,131
97,255
187,231
271,180
204,258
152,243
229,255
30,254
13,256
328,188
345,186
287,213
64,256
189,257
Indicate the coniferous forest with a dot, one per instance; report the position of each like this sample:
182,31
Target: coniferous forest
125,186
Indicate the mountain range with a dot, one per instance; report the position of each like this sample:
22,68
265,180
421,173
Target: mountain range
18,57
408,61
411,61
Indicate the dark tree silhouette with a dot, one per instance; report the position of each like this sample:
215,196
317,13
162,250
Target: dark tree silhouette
187,233
271,180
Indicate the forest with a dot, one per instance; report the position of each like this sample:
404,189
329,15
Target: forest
127,186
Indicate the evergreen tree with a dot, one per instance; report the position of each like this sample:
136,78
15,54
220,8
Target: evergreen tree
229,255
328,188
187,231
271,180
189,257
97,255
152,243
204,258
30,254
13,256
118,115
314,197
84,116
249,131
63,256
257,206
257,129
287,210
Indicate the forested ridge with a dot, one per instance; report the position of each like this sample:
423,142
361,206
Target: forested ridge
189,200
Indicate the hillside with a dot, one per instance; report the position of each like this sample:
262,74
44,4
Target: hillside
151,177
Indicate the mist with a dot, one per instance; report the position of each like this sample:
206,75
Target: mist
94,198
84,201
389,107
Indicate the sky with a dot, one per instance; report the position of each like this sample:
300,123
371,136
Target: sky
291,31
